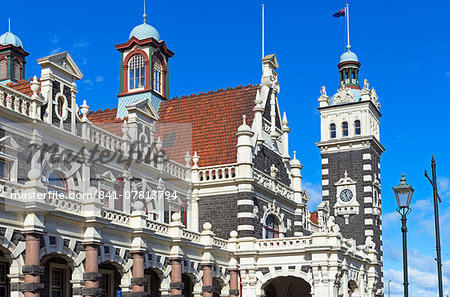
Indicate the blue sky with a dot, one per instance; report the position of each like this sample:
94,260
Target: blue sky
402,45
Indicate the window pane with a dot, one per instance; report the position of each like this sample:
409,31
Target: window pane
344,129
3,273
137,72
4,169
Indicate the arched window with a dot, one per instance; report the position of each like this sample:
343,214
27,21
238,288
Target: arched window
344,129
157,75
357,127
57,183
333,130
272,228
136,68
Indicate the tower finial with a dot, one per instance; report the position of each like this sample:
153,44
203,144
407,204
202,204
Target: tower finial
348,28
144,15
9,24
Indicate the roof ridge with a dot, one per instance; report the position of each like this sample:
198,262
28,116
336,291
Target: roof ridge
103,110
216,91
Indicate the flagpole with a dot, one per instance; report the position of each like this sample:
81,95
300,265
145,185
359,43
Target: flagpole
348,27
262,45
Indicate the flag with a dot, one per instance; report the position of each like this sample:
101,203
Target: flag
340,13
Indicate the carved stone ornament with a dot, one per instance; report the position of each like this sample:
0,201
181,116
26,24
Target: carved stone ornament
346,202
374,98
343,95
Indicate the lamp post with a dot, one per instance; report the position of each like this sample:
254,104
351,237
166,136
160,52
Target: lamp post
389,288
436,198
403,193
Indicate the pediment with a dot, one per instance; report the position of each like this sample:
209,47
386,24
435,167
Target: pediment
107,176
143,108
9,143
62,61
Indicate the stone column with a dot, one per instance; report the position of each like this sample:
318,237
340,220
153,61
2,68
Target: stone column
138,281
234,282
208,287
176,281
91,275
32,269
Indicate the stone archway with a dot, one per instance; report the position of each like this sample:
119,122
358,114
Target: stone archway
153,286
58,275
111,278
287,286
188,290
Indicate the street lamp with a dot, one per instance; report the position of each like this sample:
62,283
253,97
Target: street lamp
403,193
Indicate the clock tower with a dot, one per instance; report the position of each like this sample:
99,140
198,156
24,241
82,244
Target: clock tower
350,149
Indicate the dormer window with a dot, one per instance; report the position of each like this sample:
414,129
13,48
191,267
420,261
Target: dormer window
333,131
344,129
157,75
357,127
136,68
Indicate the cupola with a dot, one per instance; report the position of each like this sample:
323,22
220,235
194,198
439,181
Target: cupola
349,69
144,68
12,58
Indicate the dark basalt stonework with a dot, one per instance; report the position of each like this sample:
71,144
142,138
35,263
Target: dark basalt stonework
265,158
353,163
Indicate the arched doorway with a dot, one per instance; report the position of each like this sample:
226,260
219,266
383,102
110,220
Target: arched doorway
153,283
4,271
188,290
287,286
58,274
111,278
352,288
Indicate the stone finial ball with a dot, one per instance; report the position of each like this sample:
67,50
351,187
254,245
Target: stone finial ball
176,217
233,234
139,205
207,226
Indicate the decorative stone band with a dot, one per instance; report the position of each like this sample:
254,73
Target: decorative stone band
139,281
92,276
136,294
177,285
234,292
15,287
91,291
208,289
33,270
31,287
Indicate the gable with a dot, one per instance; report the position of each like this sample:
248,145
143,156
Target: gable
63,62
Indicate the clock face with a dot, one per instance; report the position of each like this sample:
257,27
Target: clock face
346,195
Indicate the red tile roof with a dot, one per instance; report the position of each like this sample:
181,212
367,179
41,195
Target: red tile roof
106,119
314,217
22,86
214,117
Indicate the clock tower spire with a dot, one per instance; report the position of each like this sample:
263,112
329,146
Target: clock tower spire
351,149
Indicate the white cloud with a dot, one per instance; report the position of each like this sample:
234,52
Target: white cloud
55,51
422,276
444,186
390,219
54,39
88,82
314,193
99,78
81,44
